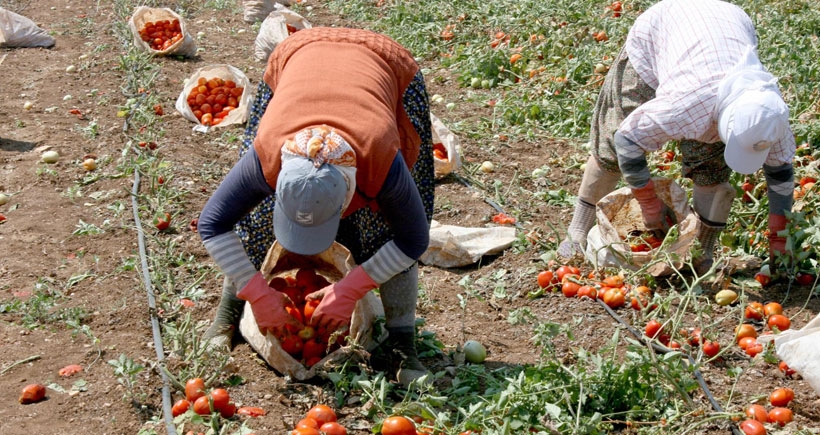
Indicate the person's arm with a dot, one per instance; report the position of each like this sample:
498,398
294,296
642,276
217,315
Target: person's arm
633,165
242,189
400,203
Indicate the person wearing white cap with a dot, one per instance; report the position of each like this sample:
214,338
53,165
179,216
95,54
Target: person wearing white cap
689,72
338,147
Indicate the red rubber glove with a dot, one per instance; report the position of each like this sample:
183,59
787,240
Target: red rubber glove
777,244
339,299
656,215
268,306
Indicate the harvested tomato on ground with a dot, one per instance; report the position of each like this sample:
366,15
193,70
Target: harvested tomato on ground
503,219
32,393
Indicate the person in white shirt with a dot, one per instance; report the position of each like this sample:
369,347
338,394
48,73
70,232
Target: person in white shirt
689,72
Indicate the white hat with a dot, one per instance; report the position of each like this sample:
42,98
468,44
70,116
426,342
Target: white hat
752,115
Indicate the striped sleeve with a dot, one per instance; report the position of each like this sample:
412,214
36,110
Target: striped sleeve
388,261
227,251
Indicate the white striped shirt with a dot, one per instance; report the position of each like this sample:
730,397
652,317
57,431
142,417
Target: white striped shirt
682,49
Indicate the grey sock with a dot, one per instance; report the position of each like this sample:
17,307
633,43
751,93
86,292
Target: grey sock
399,295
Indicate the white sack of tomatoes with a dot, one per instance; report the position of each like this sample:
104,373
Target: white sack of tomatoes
280,24
332,264
257,10
225,72
618,214
156,19
19,31
445,149
800,349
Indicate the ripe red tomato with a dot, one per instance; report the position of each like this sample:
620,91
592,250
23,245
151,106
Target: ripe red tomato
763,279
745,342
570,288
333,428
587,292
711,348
753,349
753,427
322,414
545,278
180,407
32,393
781,416
745,330
307,422
163,222
313,349
804,278
220,398
653,328
757,412
614,298
398,425
779,321
305,431
310,307
228,410
194,389
564,270
787,371
292,344
781,396
202,405
772,308
754,311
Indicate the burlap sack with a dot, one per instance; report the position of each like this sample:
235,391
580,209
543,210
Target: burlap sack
442,135
184,47
619,213
225,72
333,264
19,31
276,27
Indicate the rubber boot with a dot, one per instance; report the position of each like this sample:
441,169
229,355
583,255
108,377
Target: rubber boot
397,357
220,334
595,184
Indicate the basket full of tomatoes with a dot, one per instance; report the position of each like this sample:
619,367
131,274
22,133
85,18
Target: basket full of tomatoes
301,350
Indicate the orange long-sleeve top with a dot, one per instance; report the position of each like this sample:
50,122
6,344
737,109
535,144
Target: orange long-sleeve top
351,80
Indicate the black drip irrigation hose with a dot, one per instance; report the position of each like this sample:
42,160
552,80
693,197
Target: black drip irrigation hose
152,309
655,346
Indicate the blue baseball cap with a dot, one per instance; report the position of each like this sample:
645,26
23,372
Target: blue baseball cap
308,206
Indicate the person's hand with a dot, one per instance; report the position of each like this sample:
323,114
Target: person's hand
268,306
339,299
657,216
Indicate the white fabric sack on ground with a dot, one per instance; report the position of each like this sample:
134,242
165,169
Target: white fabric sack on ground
800,349
443,135
454,246
19,31
258,10
274,30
